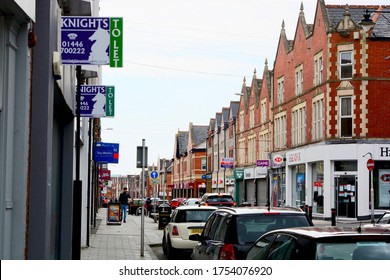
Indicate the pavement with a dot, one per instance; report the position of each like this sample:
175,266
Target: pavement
123,241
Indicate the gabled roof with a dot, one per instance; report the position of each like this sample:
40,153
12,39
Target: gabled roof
198,134
382,25
218,118
234,106
225,117
181,143
212,124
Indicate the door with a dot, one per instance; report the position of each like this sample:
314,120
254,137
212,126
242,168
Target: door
346,190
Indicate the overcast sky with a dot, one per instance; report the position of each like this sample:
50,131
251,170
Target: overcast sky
184,60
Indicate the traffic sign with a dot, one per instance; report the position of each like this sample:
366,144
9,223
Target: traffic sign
154,175
370,164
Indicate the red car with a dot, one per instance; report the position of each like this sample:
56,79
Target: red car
176,202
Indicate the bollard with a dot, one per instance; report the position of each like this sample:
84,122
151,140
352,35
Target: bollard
310,212
333,211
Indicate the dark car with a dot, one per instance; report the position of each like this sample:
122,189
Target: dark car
155,203
230,231
322,243
217,200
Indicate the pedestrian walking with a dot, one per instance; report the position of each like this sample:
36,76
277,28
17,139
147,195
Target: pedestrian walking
124,202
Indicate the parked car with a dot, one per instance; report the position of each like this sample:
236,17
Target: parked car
176,202
230,231
185,220
192,201
155,203
322,243
218,199
135,203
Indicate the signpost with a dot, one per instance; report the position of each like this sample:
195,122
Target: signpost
370,167
84,41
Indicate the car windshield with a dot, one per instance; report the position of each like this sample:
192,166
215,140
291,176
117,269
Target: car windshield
193,216
385,219
251,227
367,250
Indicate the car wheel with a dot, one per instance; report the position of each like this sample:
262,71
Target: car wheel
164,245
171,252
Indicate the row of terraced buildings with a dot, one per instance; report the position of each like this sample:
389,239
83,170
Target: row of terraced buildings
302,132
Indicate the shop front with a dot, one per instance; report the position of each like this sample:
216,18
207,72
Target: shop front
336,176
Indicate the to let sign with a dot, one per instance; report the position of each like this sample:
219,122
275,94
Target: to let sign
92,40
370,164
96,101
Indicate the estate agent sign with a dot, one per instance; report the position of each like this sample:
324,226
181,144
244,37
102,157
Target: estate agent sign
92,40
96,101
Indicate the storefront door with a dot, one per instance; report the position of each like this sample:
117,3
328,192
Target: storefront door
346,191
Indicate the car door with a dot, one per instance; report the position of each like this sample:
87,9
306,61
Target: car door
205,249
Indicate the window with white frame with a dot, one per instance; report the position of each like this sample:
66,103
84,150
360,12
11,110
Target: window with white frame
318,119
241,121
298,126
280,99
346,66
346,116
264,145
252,116
203,163
299,80
252,150
263,113
280,131
318,69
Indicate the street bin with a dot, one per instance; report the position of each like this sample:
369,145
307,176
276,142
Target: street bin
113,214
164,215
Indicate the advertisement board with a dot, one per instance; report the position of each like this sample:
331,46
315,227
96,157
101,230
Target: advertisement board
92,40
106,152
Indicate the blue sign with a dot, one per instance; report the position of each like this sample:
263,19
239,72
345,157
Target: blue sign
154,175
106,152
92,40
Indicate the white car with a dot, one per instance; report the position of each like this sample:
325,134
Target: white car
192,201
185,220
